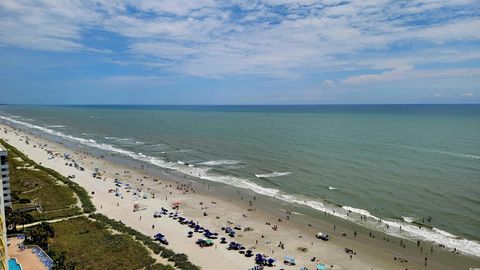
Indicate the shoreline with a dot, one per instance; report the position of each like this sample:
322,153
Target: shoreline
372,253
402,227
399,227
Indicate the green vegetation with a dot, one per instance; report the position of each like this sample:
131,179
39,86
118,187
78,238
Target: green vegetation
30,186
39,235
93,246
45,174
82,194
17,218
180,260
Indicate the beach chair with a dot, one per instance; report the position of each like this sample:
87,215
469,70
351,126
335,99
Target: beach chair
270,261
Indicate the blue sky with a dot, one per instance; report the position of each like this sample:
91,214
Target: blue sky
239,52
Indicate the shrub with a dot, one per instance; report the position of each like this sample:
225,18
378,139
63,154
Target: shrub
167,253
180,260
161,267
82,194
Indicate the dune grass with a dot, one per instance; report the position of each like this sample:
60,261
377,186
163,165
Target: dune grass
93,246
180,260
30,185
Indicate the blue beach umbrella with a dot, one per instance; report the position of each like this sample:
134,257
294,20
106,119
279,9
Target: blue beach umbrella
290,259
320,266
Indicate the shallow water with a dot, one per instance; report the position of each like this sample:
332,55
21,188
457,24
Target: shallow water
399,163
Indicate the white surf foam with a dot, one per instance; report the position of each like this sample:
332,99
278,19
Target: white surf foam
272,174
332,188
404,229
359,211
408,230
56,126
453,154
177,151
203,173
409,219
461,155
127,141
118,138
220,162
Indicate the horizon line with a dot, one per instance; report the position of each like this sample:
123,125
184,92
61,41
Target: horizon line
289,104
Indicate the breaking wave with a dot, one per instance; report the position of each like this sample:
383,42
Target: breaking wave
220,162
272,174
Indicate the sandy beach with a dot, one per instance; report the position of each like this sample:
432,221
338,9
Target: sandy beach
272,233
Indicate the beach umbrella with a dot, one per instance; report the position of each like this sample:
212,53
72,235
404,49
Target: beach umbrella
290,259
320,266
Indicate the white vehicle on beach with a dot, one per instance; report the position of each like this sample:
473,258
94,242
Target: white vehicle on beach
322,236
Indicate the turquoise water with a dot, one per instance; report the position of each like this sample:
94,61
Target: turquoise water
400,163
13,265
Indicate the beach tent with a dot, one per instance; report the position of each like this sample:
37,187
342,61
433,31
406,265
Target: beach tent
289,260
208,242
320,266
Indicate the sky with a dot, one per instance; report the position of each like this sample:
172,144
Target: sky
239,52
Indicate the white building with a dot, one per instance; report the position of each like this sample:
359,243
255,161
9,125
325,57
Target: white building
7,197
3,229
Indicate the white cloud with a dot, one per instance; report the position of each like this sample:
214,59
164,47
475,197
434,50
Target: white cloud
178,7
268,37
468,94
396,75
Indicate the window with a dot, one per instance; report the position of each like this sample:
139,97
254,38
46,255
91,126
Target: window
3,160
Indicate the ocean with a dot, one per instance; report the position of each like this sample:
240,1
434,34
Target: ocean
415,166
